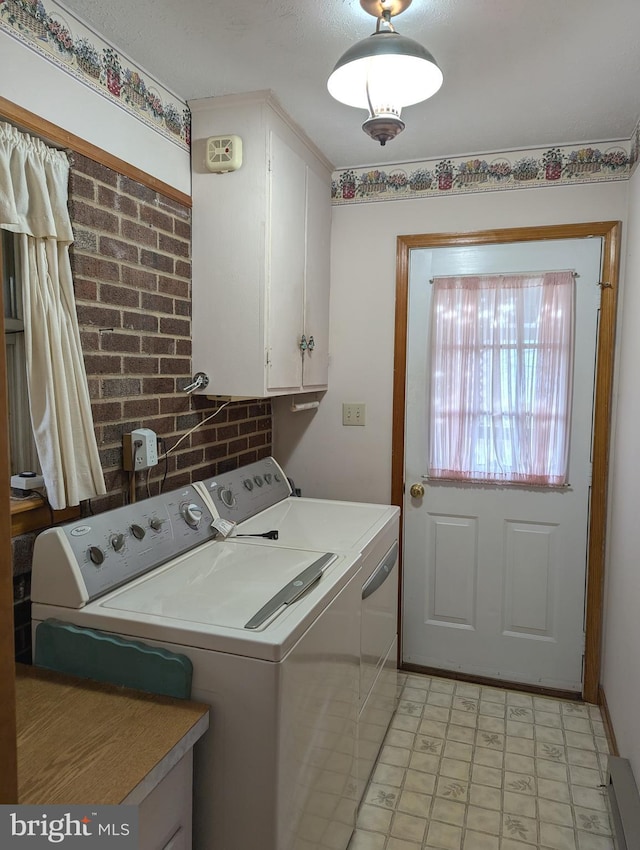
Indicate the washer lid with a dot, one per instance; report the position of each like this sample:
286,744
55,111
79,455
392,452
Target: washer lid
341,526
217,590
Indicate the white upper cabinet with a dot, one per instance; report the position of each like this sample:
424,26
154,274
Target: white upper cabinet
260,253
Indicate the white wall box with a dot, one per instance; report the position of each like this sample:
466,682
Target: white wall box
260,253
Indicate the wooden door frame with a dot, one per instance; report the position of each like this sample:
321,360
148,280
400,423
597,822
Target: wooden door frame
610,232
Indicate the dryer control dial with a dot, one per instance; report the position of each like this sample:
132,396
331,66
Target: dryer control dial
192,514
226,495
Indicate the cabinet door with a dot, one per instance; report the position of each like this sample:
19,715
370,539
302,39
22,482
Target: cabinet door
316,301
286,241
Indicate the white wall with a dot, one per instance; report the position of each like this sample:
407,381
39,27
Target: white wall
31,81
621,669
326,459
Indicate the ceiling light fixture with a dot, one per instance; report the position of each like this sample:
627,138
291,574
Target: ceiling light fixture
384,72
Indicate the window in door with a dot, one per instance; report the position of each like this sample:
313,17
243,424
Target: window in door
501,378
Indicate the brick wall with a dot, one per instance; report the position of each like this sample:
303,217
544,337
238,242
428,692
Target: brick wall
132,276
132,273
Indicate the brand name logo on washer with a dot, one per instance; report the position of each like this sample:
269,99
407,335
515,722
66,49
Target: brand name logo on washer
80,530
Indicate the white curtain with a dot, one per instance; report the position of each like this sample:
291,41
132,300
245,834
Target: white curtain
33,203
501,378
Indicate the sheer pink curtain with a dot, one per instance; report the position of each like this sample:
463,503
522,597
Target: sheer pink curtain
501,377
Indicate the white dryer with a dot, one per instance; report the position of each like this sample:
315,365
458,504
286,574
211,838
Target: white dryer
258,498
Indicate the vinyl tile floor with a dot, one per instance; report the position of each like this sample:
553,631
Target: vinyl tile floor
468,767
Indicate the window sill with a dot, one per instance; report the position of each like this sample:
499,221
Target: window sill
33,514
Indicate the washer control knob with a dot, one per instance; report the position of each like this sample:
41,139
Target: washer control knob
117,541
97,555
155,523
137,531
226,495
248,483
277,477
192,514
259,480
268,477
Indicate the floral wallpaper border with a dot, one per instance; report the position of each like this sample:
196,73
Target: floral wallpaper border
57,35
560,165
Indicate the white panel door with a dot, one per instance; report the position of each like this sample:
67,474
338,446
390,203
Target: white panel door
494,575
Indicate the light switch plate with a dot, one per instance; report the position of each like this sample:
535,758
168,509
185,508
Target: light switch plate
353,414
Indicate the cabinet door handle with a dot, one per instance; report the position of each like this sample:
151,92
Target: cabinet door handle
303,343
312,343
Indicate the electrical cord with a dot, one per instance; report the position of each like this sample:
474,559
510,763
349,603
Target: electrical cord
167,452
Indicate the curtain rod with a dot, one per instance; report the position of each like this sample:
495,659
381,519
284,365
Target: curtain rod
505,274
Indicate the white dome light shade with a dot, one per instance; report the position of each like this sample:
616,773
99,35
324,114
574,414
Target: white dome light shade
385,71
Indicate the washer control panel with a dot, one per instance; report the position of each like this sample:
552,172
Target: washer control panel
112,548
242,493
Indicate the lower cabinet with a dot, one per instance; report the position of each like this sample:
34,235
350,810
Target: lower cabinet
165,815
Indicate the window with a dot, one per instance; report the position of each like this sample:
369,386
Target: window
501,378
23,455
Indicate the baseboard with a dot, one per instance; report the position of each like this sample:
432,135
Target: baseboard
608,725
625,804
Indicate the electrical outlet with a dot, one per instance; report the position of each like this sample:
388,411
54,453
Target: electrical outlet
353,414
140,449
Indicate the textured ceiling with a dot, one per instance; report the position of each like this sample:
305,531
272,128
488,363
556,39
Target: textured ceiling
517,73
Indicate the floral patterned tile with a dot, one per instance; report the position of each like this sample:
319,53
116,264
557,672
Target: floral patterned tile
520,782
593,821
520,828
463,703
519,713
452,789
382,795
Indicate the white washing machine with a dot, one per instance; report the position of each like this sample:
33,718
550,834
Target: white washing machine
301,688
258,499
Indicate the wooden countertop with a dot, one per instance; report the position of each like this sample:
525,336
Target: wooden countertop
87,742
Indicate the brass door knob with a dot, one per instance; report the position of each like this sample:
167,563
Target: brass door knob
417,491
